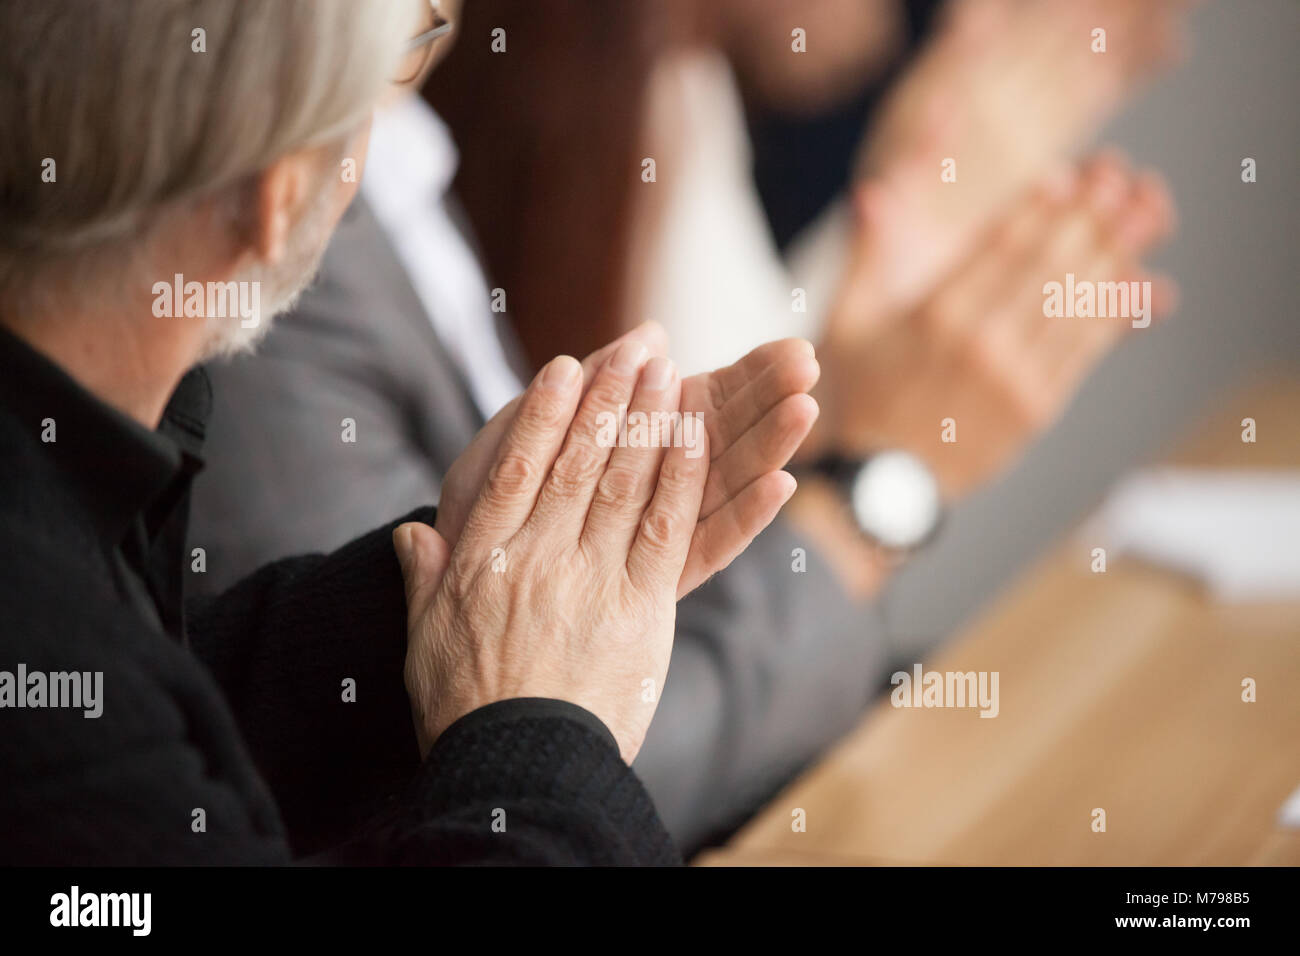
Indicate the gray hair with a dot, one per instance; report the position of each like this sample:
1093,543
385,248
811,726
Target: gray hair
136,119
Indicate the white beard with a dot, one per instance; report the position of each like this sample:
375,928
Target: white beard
281,286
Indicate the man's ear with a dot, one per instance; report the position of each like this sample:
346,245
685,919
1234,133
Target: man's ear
281,191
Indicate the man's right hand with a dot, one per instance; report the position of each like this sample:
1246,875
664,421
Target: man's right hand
564,579
756,412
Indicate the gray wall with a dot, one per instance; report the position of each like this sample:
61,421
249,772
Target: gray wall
1234,258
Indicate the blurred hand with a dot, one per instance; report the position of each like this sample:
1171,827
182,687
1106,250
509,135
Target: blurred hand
1008,89
756,412
979,349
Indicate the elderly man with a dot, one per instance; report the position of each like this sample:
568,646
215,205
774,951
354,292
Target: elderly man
500,672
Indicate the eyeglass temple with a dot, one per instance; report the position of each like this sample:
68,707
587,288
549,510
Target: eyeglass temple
441,29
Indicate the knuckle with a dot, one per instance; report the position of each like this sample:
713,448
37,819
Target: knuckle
539,415
678,475
658,528
617,486
606,394
512,475
574,470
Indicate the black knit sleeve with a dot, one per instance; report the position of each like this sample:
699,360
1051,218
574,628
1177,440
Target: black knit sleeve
526,781
309,653
522,781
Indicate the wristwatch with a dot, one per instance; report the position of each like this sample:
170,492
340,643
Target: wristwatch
892,495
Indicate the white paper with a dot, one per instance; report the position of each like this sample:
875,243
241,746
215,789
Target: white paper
1289,815
1236,531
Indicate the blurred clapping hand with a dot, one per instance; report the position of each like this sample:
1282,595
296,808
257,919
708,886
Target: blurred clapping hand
1006,90
978,346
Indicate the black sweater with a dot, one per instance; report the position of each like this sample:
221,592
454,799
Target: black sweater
263,725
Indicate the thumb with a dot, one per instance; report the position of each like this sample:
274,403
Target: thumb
423,554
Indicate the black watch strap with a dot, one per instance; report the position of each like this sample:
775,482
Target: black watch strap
840,469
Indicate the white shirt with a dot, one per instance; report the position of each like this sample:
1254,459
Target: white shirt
718,283
410,167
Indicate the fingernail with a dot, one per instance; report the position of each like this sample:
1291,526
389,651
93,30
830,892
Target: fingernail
628,358
658,374
561,373
402,544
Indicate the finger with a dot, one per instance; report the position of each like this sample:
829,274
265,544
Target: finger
1104,186
423,555
527,453
1150,218
766,447
663,539
650,334
1068,244
654,423
1072,347
963,301
487,443
1068,349
1118,238
568,490
721,385
792,374
729,530
1071,365
1077,342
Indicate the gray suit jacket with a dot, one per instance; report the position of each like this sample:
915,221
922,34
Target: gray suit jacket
769,665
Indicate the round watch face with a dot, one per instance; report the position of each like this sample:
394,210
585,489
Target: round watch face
895,499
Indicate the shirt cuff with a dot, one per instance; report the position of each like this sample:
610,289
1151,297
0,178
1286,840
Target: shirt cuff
518,708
